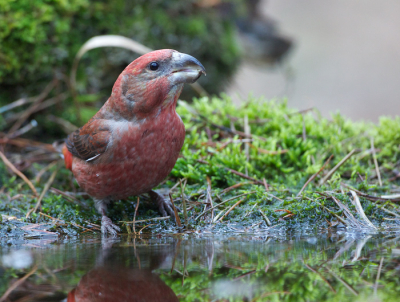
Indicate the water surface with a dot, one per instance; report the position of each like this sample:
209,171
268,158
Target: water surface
334,266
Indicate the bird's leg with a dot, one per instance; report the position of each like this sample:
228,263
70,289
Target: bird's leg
164,205
106,223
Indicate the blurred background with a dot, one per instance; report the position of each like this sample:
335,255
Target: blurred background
346,57
339,55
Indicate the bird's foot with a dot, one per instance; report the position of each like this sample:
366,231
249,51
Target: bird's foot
108,227
164,205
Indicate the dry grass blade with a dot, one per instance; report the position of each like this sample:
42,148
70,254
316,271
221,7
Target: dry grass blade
360,211
45,189
376,162
106,41
330,173
19,173
265,185
16,284
315,175
390,212
246,146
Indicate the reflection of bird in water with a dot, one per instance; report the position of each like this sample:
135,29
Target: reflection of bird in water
121,284
114,280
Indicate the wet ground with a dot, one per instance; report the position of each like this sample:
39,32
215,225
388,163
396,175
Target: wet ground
280,266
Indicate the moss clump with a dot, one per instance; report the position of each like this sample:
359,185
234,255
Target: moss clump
40,38
285,147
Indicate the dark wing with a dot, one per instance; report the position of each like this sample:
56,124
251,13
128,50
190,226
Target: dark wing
90,141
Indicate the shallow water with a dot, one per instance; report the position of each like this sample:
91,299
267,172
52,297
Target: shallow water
234,267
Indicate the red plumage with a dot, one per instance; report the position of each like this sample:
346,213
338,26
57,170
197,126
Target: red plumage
134,140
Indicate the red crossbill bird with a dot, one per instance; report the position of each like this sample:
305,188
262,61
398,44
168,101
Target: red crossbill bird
132,143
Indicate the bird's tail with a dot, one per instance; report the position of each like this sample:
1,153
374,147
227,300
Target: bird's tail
62,149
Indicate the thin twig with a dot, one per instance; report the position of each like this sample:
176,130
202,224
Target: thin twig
330,173
265,218
41,172
146,226
22,142
235,186
19,173
231,208
32,108
17,103
184,203
233,171
177,219
330,212
315,175
225,201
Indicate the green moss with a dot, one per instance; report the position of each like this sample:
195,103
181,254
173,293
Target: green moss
39,39
286,149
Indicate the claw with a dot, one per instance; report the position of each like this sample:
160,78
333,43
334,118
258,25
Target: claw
164,205
108,227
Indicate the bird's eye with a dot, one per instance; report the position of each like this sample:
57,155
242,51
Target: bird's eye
154,66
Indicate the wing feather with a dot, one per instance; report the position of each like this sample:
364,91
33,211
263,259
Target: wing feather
90,141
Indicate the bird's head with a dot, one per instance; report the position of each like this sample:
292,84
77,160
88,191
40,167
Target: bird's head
154,81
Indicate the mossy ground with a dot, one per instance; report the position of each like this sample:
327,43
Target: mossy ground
282,146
